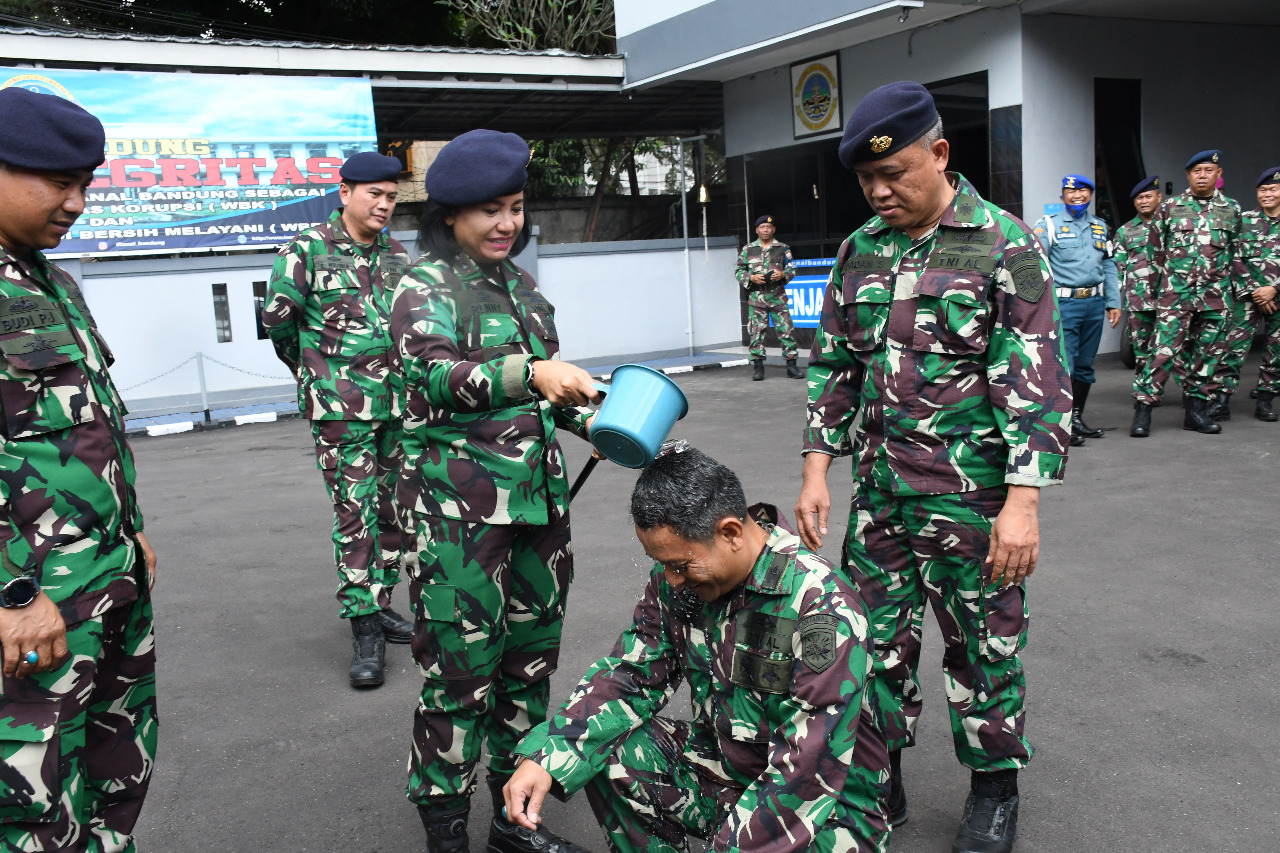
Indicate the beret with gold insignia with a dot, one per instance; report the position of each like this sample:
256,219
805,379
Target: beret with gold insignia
1212,155
1270,176
1150,182
887,120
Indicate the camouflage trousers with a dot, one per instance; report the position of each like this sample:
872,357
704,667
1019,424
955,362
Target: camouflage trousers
489,601
906,551
1243,322
760,304
78,743
359,461
1142,333
1202,335
657,789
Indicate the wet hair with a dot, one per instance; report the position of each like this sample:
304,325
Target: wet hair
436,238
688,491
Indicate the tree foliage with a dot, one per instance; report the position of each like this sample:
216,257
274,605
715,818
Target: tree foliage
580,26
337,21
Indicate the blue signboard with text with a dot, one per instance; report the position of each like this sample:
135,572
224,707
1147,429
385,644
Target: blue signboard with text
806,290
202,161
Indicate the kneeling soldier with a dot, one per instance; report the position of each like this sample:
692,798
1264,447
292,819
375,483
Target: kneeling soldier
780,754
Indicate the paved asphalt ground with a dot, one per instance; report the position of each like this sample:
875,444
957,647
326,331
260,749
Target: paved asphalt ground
1154,659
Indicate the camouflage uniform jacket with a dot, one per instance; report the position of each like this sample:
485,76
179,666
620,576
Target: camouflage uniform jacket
776,672
66,472
1258,262
479,445
327,312
944,355
1194,243
1135,260
755,258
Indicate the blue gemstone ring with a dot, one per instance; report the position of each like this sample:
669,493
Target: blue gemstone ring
33,658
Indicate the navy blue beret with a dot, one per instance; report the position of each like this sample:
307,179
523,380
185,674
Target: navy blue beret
762,219
1213,155
48,133
370,167
477,166
1150,182
1073,182
887,120
1270,176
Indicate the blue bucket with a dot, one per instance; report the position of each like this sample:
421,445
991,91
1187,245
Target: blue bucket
640,407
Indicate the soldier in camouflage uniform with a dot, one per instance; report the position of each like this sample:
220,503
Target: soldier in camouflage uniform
483,492
327,311
1257,277
78,700
782,753
939,364
764,268
1138,275
1193,242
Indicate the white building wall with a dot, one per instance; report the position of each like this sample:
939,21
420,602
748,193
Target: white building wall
616,300
758,107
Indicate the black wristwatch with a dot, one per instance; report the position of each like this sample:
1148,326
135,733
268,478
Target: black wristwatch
19,592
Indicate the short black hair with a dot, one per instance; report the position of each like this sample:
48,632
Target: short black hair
688,491
436,238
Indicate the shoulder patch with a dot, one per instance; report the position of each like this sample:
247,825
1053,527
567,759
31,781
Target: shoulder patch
1024,269
818,641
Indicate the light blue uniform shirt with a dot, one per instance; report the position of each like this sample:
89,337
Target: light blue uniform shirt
1080,254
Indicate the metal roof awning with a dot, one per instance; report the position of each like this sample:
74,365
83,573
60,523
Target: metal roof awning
418,92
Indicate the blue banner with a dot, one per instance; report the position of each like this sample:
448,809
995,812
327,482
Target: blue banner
201,161
806,290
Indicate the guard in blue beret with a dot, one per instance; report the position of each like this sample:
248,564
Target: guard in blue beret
75,587
938,365
1135,262
1088,288
328,314
483,489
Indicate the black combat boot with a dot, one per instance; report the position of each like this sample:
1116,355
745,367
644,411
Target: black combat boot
793,372
395,628
1080,395
370,658
1141,420
1262,409
757,369
446,828
990,821
897,794
1219,409
1196,419
507,837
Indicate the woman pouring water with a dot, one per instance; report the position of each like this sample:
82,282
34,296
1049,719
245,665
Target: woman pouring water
483,488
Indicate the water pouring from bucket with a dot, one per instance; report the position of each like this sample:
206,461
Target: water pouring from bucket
640,407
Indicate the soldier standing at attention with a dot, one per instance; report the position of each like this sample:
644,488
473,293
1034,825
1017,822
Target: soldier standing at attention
938,359
483,491
780,755
78,704
764,268
1193,241
1084,273
1257,277
327,312
1138,275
